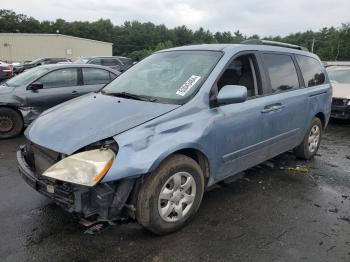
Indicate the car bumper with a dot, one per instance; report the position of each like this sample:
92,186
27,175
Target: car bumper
43,186
103,202
340,112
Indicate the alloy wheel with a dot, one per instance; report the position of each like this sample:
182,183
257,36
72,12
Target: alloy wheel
314,138
176,197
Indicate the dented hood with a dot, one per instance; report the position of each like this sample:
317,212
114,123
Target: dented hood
341,90
88,119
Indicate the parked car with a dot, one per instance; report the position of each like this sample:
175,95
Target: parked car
44,61
118,63
6,71
340,79
25,96
148,145
17,68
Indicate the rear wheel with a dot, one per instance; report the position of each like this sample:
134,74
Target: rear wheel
171,195
11,123
308,148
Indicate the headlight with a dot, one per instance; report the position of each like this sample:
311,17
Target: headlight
348,102
86,168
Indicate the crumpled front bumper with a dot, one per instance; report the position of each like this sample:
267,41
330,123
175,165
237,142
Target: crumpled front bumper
103,202
44,186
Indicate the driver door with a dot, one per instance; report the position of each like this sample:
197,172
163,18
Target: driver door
58,86
240,128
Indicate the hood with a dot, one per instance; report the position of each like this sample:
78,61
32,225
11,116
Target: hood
88,119
341,90
4,89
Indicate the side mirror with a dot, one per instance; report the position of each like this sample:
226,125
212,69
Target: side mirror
35,86
231,94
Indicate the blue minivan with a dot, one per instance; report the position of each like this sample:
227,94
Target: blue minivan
148,144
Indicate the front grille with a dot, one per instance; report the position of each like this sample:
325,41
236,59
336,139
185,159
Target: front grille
40,158
339,102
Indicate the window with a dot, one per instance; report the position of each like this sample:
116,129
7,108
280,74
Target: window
94,76
341,76
312,71
241,72
125,60
282,72
59,78
96,61
110,62
27,76
167,77
112,76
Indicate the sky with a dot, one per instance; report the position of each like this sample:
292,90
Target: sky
264,17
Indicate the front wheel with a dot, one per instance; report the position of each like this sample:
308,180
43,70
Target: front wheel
308,148
11,123
171,195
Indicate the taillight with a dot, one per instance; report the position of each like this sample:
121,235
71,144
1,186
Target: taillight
8,70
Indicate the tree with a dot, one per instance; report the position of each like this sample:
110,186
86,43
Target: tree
138,40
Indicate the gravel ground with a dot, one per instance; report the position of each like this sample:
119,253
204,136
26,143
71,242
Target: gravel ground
273,213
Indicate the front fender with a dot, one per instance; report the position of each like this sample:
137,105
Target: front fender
142,149
10,100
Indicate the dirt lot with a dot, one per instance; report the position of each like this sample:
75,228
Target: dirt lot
274,213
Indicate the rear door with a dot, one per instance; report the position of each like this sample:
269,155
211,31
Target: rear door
284,111
94,79
58,86
316,87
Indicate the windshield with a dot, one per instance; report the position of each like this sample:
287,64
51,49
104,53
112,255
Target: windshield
26,77
169,77
339,76
82,60
36,61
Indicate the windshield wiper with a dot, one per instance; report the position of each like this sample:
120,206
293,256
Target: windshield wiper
129,95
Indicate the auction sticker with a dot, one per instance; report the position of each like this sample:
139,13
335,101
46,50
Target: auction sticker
183,90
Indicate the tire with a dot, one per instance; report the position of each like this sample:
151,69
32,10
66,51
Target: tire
308,148
165,179
11,123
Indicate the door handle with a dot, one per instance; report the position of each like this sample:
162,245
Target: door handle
74,92
272,108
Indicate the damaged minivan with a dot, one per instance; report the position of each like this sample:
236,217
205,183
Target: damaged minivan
147,146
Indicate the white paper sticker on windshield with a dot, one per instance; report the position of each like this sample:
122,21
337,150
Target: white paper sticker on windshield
183,90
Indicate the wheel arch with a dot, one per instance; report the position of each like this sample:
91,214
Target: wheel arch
13,108
197,155
322,117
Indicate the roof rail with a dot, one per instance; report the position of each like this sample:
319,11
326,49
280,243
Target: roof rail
272,43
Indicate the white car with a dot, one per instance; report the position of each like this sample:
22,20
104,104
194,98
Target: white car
340,79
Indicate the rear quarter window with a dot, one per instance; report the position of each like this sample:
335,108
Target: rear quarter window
281,71
311,70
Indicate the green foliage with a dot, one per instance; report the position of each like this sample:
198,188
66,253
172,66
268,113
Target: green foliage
138,40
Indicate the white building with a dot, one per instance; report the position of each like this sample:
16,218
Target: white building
27,47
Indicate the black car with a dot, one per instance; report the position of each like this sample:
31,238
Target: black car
118,63
44,61
24,97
